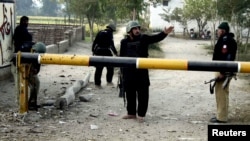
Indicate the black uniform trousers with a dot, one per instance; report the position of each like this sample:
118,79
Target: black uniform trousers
99,69
98,74
142,94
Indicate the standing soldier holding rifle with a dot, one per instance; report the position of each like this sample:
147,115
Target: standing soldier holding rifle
225,50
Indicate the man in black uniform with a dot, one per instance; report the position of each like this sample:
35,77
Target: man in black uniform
22,38
22,42
225,50
136,81
102,46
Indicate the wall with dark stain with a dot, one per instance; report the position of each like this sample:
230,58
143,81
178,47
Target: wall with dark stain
7,22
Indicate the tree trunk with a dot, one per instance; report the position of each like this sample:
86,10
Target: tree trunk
246,45
134,14
199,27
213,35
70,94
91,27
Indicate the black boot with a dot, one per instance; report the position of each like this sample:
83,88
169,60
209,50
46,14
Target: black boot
32,104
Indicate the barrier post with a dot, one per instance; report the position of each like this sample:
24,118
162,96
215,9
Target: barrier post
23,74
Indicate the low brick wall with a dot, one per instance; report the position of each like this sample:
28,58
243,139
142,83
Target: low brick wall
62,46
69,37
52,48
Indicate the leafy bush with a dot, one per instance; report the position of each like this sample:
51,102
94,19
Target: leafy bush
155,46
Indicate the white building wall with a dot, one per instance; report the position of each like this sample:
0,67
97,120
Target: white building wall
7,22
157,22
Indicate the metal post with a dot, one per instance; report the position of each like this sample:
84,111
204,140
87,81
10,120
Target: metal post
23,86
23,74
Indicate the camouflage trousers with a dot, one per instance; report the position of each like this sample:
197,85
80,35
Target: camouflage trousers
34,85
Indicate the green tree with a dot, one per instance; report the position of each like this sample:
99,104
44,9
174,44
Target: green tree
66,10
237,13
175,15
166,15
104,11
246,23
124,9
228,9
244,19
101,12
198,10
86,8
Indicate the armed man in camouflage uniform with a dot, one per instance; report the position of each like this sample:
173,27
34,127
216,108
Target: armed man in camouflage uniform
34,82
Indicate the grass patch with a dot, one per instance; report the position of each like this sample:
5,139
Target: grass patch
154,46
155,51
88,40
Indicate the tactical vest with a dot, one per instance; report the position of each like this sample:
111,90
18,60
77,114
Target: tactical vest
133,49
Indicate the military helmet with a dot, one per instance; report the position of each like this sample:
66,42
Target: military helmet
39,47
111,26
132,24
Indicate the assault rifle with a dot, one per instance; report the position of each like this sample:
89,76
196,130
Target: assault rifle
226,79
120,84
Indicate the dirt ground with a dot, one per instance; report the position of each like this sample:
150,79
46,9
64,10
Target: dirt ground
180,104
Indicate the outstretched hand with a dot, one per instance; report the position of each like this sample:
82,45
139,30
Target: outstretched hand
169,29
